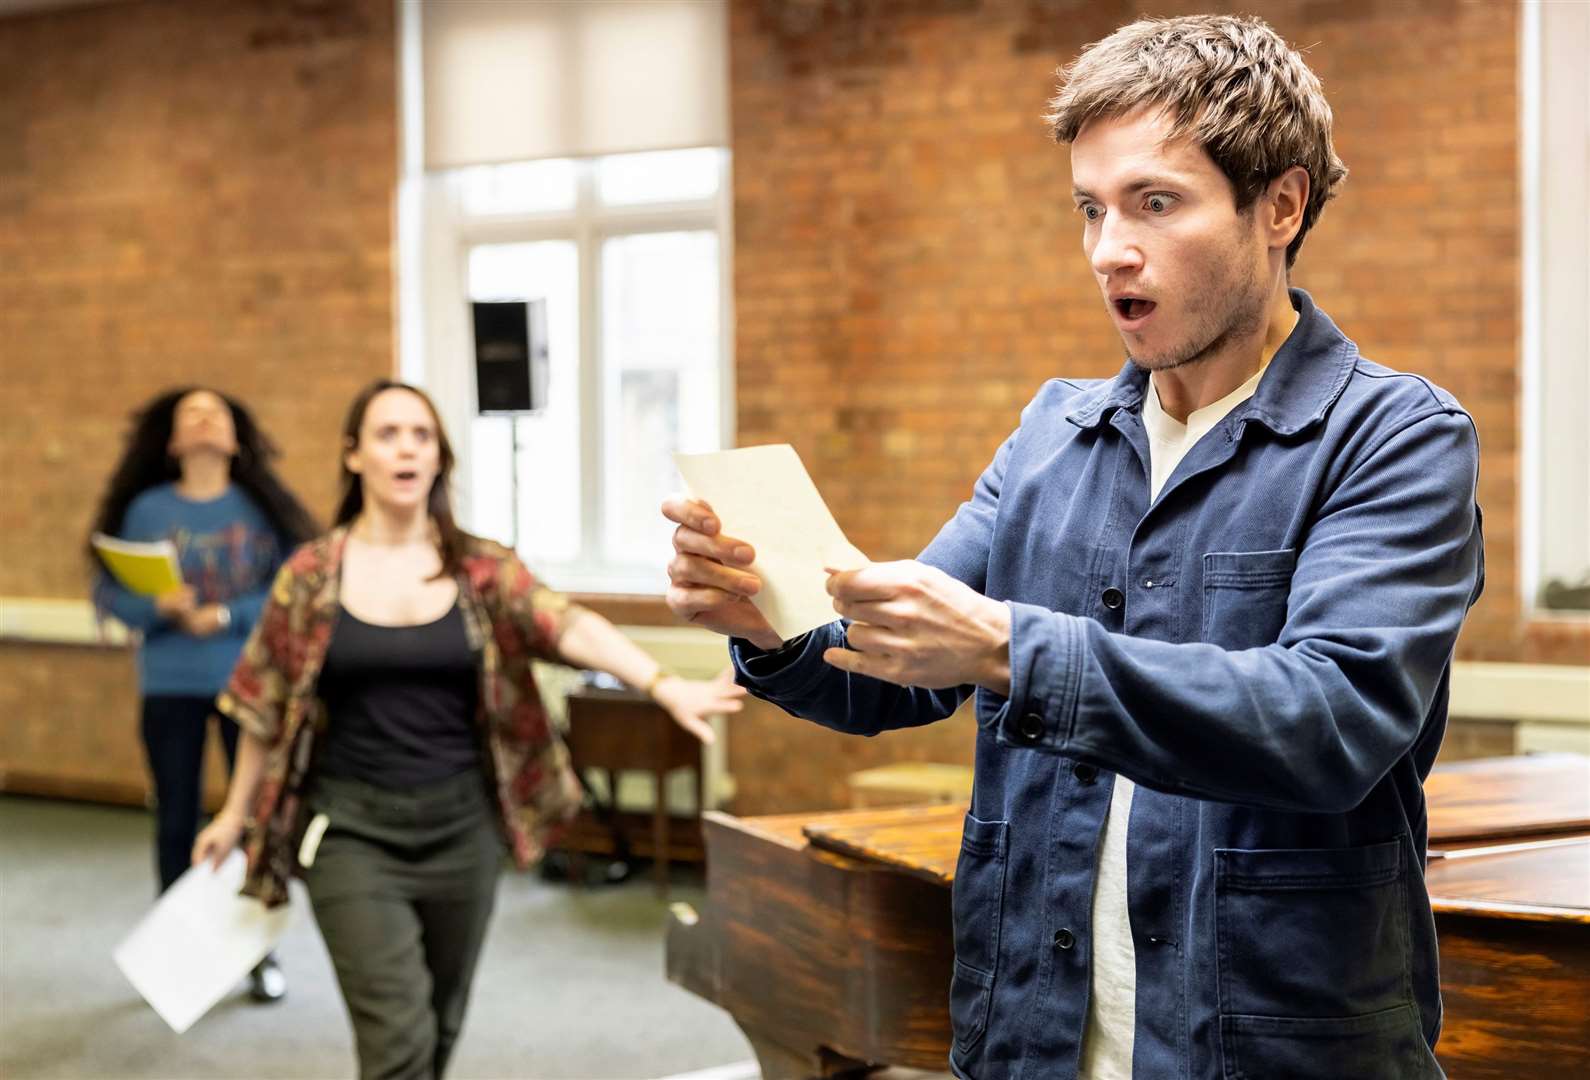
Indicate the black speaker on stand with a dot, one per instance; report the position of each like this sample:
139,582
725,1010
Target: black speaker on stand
510,356
511,370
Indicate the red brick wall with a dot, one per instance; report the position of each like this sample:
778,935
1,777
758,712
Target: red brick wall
908,268
202,192
189,192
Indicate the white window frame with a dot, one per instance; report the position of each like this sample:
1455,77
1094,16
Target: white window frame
448,367
1553,186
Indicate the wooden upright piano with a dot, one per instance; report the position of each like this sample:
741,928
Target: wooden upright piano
827,936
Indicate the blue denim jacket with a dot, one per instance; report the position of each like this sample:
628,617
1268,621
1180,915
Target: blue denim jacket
1266,650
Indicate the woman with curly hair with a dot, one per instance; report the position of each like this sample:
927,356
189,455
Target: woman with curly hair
196,471
394,742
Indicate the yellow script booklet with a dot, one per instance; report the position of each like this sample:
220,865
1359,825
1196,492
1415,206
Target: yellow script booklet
148,569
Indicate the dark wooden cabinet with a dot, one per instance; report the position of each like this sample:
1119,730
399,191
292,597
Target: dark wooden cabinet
616,731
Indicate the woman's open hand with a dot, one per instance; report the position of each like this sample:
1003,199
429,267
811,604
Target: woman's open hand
691,701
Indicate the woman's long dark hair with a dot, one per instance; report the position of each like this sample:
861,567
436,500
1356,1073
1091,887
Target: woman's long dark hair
449,537
146,463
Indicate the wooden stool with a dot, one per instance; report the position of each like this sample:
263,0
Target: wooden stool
623,730
911,782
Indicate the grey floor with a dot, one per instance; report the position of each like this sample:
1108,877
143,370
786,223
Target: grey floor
570,985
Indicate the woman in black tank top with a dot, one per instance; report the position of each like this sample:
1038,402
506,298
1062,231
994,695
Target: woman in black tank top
406,643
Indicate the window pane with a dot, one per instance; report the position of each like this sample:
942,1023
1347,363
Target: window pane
1556,294
660,338
524,187
665,176
549,441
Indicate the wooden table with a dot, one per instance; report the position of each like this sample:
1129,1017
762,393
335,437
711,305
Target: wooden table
852,911
623,730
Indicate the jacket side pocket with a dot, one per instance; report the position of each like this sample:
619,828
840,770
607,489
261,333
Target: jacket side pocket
977,901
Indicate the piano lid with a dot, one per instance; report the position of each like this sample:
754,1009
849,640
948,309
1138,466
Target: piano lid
1539,880
923,841
1493,798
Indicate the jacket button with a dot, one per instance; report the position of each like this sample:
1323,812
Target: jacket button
1064,939
1031,727
1113,599
1085,772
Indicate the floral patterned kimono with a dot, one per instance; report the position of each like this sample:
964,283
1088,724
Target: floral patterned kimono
510,619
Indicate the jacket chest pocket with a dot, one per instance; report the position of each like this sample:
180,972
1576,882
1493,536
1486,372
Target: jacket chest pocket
1245,597
1314,965
977,902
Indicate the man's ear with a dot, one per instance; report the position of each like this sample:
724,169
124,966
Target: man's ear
1285,199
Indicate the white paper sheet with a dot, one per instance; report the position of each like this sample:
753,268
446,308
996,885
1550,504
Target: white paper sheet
764,496
198,942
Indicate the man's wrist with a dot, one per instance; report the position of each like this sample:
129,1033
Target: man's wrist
760,663
771,643
995,673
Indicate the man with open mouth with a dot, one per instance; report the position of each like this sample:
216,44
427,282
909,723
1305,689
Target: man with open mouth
1207,609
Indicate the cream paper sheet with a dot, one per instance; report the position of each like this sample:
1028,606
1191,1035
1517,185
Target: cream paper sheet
764,496
198,942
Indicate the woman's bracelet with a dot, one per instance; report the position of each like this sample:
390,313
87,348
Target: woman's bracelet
650,689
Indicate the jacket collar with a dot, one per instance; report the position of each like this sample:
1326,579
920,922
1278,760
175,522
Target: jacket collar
1304,378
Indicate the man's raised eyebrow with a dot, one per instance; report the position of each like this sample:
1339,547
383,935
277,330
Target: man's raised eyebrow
1142,183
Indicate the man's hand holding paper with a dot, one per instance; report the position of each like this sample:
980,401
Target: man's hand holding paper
765,580
786,568
914,625
709,580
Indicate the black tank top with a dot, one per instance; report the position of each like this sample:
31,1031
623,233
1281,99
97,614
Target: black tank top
400,702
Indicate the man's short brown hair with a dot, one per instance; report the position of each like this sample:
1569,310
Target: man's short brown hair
1230,82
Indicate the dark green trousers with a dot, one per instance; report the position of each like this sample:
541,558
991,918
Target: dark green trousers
402,888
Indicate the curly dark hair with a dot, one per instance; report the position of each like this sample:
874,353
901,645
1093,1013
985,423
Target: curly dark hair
145,463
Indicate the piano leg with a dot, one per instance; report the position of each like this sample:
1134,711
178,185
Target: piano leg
659,834
779,1062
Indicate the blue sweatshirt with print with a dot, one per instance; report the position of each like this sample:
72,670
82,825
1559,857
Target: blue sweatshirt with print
229,554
